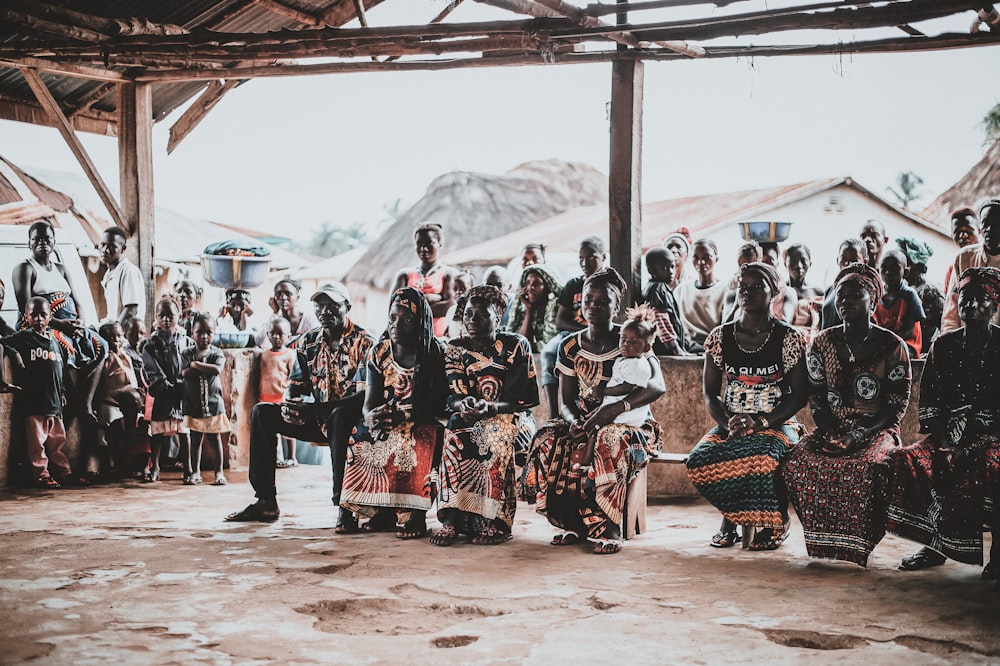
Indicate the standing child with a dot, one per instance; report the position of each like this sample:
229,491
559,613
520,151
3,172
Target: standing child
38,362
204,409
161,359
899,309
430,277
188,296
631,371
275,367
671,337
118,376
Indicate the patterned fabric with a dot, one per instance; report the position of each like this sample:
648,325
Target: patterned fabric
329,374
842,501
739,476
958,396
477,474
392,467
586,505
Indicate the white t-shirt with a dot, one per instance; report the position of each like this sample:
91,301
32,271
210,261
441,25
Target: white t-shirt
635,371
123,286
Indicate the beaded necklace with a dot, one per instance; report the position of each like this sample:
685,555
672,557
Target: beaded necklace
770,330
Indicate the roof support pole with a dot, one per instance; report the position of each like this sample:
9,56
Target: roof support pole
135,163
625,173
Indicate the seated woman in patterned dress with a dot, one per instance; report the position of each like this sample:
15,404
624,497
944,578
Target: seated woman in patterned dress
591,506
393,449
947,486
839,475
491,376
735,466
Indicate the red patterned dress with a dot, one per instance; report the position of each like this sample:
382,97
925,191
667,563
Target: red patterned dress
842,501
585,505
392,467
958,390
477,474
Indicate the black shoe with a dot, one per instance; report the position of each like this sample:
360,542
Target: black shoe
260,511
925,558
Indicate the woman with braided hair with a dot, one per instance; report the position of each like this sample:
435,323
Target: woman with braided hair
491,376
393,450
735,466
947,486
839,475
591,506
534,312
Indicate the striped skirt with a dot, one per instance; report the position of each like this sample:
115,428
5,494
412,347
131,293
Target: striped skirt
740,476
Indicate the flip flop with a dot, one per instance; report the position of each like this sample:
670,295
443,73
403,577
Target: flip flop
347,523
604,546
220,481
491,536
724,539
445,536
414,528
565,539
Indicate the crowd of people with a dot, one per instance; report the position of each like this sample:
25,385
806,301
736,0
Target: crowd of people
437,410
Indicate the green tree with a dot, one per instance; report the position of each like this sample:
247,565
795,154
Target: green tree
330,240
991,124
905,191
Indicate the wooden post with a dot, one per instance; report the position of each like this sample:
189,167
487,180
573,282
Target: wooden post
625,173
135,159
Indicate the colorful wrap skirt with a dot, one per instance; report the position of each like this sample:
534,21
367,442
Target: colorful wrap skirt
946,514
477,474
740,476
841,501
391,468
586,505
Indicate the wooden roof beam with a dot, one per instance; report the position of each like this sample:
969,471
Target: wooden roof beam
65,69
602,9
51,28
198,110
281,9
99,93
49,103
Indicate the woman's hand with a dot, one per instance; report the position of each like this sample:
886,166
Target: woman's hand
839,445
273,304
740,425
472,409
601,417
66,326
383,416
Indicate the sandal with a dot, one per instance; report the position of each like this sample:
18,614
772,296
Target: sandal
220,480
150,477
723,539
347,523
491,536
285,464
765,539
414,528
604,546
444,536
565,539
382,521
925,558
47,482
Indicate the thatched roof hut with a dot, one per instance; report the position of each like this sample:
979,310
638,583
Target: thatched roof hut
982,180
475,207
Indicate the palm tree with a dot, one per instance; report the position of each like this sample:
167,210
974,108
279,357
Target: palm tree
991,124
905,191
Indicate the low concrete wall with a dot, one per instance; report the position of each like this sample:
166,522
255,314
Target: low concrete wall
680,412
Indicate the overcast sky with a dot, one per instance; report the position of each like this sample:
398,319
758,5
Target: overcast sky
287,154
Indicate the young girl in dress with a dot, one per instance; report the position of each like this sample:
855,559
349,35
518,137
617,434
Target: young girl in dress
431,278
161,358
204,409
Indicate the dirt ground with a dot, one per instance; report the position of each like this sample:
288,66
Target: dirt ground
134,574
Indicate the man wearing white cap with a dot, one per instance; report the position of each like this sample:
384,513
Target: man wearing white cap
322,403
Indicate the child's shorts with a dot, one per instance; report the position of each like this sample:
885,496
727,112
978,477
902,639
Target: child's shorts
211,424
168,427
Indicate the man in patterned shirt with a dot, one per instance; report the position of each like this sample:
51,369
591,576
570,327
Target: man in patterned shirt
323,402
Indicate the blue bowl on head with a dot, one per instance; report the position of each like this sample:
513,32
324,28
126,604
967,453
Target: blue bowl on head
232,340
765,232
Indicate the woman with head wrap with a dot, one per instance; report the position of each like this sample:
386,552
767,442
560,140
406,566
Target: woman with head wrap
838,476
284,305
946,486
492,388
735,466
534,313
591,506
394,447
679,244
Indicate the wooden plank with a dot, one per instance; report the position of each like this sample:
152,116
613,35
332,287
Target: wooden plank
135,161
198,110
48,102
625,173
50,28
288,12
65,69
